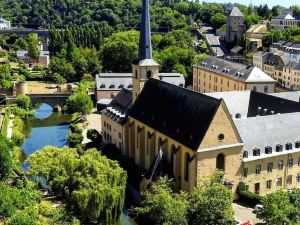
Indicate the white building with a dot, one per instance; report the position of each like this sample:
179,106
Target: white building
284,20
4,24
288,51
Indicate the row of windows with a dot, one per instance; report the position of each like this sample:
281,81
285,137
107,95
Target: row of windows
280,166
106,125
268,149
107,137
278,182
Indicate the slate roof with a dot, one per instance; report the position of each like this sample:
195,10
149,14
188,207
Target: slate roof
118,108
290,95
297,67
246,103
270,103
179,113
117,81
235,71
236,12
260,132
145,47
113,81
284,16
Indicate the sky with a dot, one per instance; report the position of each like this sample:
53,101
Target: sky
285,3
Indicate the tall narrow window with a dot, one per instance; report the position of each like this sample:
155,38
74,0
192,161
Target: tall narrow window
149,74
221,162
186,167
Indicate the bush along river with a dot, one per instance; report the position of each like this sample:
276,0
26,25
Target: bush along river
50,128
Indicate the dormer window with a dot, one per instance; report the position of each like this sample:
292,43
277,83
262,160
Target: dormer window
121,86
297,144
112,86
268,150
102,86
288,146
245,154
256,152
279,148
129,86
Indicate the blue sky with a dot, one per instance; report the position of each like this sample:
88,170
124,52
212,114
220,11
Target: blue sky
285,3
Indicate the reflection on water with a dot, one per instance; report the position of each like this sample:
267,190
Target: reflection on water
47,128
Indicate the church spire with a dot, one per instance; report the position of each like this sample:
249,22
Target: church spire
145,47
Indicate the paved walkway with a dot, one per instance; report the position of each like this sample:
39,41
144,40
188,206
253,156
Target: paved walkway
10,128
94,122
243,213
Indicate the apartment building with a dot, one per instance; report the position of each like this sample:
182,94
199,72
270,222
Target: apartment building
217,75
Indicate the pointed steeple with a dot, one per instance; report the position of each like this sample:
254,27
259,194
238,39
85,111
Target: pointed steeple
145,47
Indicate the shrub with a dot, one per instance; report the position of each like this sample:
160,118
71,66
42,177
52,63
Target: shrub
94,135
18,138
5,157
23,113
24,102
74,128
249,197
74,139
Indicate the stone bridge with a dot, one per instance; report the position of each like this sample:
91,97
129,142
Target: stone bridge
50,99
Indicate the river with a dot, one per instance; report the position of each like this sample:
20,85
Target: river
51,128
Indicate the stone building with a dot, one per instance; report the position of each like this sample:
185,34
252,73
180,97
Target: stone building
216,75
235,27
4,24
285,20
169,130
43,60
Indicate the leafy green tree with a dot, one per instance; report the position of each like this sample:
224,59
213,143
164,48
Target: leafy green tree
119,51
162,206
94,135
5,157
33,48
24,102
217,20
80,102
61,66
92,184
74,139
211,203
277,208
58,79
5,78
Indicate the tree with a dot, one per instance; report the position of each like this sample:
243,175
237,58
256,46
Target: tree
211,203
92,184
276,209
94,135
217,20
5,78
119,51
5,157
33,48
24,102
58,79
62,67
80,102
162,206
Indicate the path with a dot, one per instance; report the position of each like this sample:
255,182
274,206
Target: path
9,129
94,122
243,213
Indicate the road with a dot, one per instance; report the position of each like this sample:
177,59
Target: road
242,213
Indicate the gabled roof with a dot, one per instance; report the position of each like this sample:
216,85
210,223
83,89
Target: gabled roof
118,108
285,16
257,75
260,132
179,113
233,70
236,12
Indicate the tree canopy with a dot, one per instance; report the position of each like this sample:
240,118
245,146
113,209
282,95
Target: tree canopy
91,183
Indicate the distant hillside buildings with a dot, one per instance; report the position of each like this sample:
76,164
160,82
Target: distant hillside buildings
282,63
285,20
4,24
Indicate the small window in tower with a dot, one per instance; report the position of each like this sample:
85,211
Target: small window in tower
149,74
136,74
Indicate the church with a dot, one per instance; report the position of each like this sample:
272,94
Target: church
187,135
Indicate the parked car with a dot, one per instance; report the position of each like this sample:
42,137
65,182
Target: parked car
257,208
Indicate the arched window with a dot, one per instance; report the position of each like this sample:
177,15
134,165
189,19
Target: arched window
149,74
266,89
221,162
186,166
